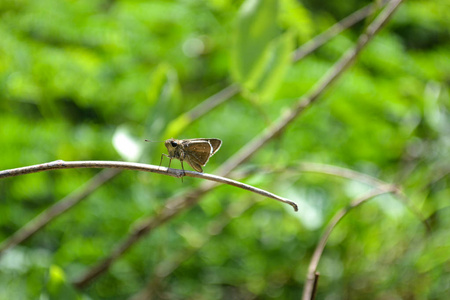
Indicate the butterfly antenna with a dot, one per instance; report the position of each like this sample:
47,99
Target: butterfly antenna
154,141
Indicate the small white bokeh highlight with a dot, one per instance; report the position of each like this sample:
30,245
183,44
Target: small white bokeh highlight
193,47
126,145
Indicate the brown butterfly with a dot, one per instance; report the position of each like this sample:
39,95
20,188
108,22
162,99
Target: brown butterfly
195,151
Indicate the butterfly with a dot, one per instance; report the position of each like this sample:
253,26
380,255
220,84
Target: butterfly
196,152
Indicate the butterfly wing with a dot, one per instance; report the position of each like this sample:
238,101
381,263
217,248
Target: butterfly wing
193,162
197,153
215,143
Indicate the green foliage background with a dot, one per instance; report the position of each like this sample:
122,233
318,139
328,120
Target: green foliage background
75,76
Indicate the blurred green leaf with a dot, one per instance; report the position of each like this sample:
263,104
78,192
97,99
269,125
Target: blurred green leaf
75,75
177,126
58,287
260,53
276,61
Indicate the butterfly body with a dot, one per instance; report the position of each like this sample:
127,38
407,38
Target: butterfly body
196,152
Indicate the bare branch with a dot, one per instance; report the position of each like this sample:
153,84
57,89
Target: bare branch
333,31
213,101
177,204
342,172
60,164
311,277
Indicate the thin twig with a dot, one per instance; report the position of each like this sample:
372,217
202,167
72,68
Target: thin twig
342,172
164,268
311,278
213,101
179,203
364,178
33,226
220,179
349,174
316,282
298,54
319,40
60,164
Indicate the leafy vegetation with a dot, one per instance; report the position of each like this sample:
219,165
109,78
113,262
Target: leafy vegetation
90,80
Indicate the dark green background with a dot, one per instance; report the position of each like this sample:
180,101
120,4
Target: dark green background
76,74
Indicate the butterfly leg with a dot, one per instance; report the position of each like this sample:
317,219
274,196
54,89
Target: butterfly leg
184,173
160,162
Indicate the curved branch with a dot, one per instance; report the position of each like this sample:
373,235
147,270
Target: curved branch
370,180
60,164
311,278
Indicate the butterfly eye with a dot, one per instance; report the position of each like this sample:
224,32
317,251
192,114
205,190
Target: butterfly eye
174,144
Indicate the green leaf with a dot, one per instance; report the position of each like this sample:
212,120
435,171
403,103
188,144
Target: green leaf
255,30
261,54
177,126
57,285
276,61
164,94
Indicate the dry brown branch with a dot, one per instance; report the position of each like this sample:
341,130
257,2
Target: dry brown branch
311,277
178,204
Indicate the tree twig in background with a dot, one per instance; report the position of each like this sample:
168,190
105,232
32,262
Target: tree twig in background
353,175
178,204
298,54
364,178
311,277
215,100
342,172
316,282
164,268
304,102
41,220
333,31
168,266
